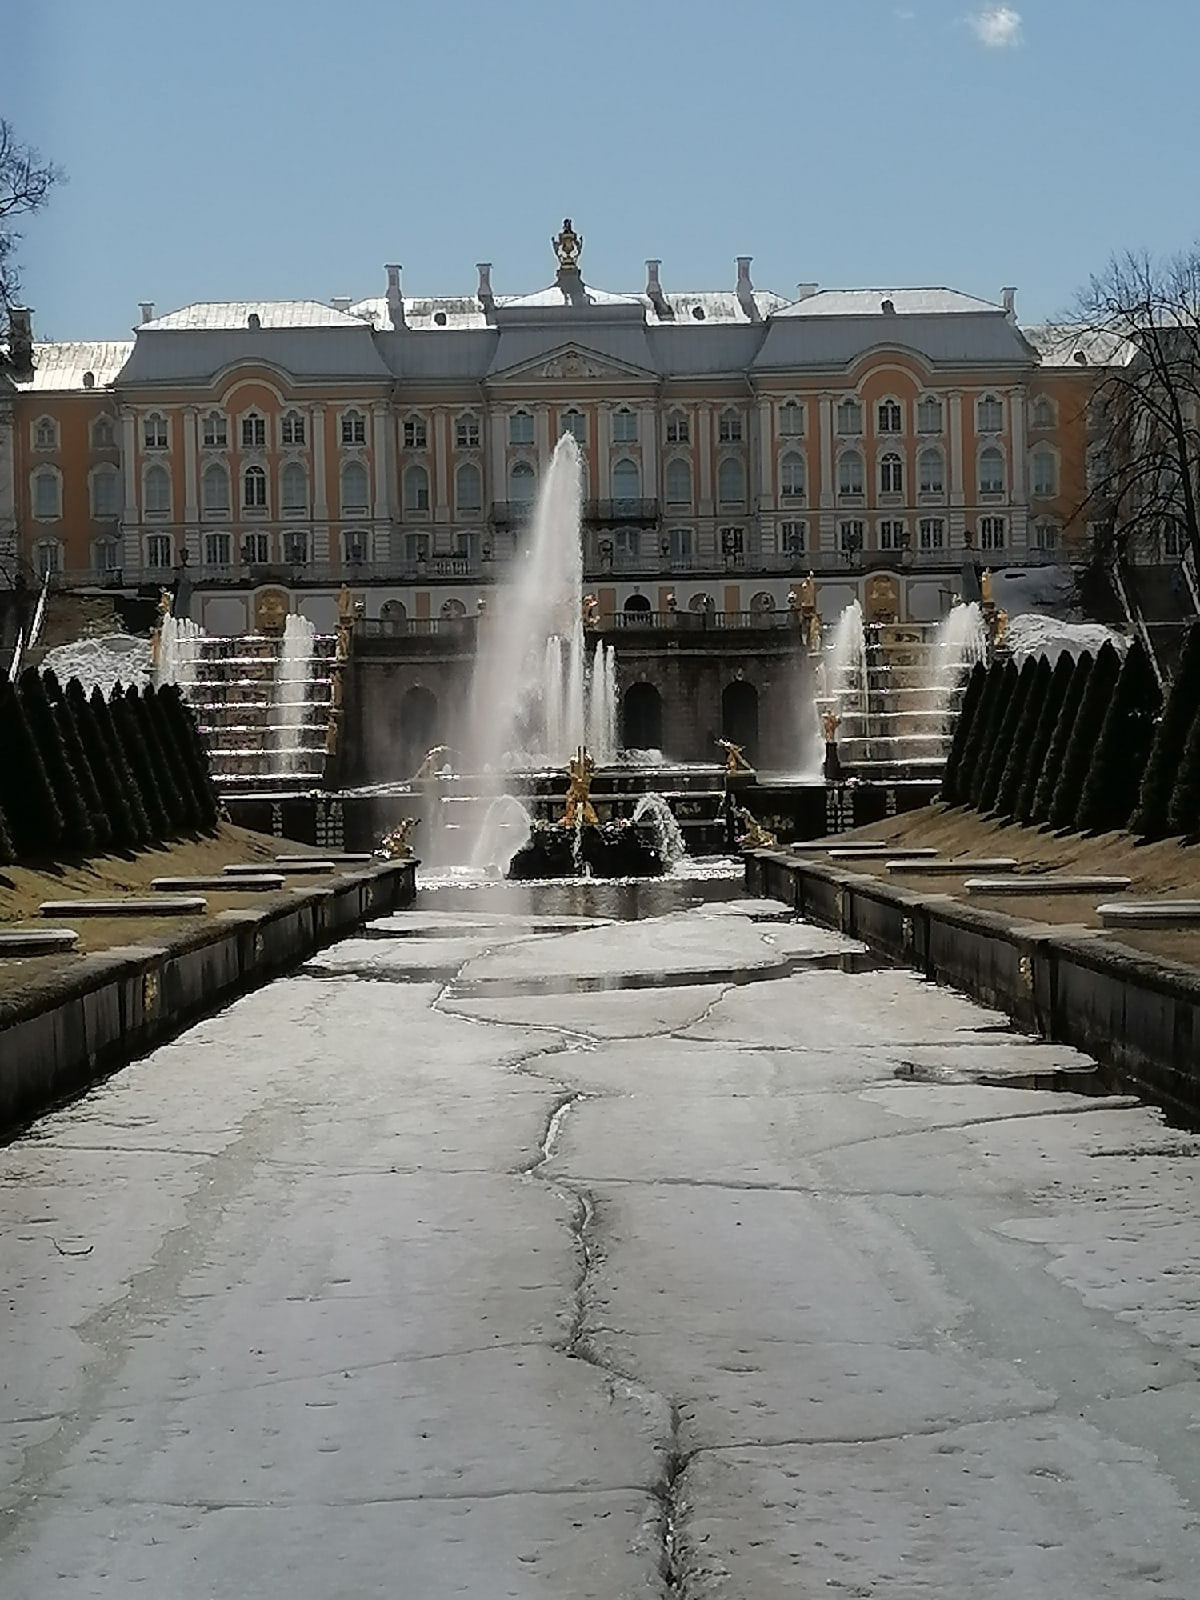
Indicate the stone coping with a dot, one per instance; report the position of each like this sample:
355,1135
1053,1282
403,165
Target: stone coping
159,905
1046,883
267,882
336,858
1161,913
851,852
37,941
949,865
306,869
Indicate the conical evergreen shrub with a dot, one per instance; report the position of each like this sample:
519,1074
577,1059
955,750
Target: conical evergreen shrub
1056,754
1007,735
132,735
1183,812
1102,683
1038,672
1118,762
1170,735
996,719
181,776
164,777
123,797
967,712
1035,756
27,796
80,761
195,755
8,850
77,835
973,751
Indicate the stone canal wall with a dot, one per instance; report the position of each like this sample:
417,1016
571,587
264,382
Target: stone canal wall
93,1013
1138,1016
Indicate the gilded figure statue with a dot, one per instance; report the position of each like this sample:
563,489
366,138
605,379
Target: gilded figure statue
579,809
754,836
429,763
829,722
591,611
735,757
395,844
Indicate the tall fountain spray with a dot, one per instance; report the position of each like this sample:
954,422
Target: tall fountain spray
293,694
533,699
178,651
961,641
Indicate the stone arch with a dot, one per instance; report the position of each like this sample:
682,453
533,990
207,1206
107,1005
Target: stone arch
393,614
637,605
418,725
642,717
739,716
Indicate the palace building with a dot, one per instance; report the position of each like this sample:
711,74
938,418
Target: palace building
733,440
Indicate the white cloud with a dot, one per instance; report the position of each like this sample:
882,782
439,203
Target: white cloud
997,27
903,14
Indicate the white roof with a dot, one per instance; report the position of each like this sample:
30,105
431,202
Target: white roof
59,367
869,303
207,315
1059,344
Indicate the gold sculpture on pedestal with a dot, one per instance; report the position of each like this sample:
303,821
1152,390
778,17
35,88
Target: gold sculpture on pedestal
164,611
735,757
591,612
755,836
579,808
829,723
395,846
568,246
428,767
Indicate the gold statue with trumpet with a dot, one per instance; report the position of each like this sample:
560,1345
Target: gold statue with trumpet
579,808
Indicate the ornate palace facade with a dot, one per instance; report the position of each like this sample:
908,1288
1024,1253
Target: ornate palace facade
732,441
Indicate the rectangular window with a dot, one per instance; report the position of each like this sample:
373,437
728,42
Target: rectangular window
295,547
520,428
679,544
254,432
849,418
929,416
256,549
574,423
891,536
729,430
47,495
933,533
1045,478
625,427
991,414
416,547
628,543
154,432
293,428
354,428
1173,542
1046,537
416,435
355,546
216,432
106,555
104,495
49,558
991,533
850,536
159,551
733,546
466,433
791,419
793,538
678,430
216,549
889,416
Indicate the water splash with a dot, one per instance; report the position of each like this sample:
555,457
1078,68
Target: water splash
293,694
668,835
961,641
178,651
602,705
507,827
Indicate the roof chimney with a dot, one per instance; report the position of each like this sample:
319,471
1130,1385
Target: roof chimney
254,322
395,294
147,309
20,341
487,299
745,289
341,302
805,291
1008,299
654,291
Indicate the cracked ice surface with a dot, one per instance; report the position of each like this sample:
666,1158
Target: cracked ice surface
424,1272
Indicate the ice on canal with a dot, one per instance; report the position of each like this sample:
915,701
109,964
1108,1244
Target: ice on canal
600,1242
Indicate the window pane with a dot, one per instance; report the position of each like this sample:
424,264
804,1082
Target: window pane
625,428
679,483
520,428
626,481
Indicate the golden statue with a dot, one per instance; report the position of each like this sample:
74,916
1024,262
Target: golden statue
755,837
345,605
1001,627
591,611
331,733
735,757
579,807
270,610
164,606
428,767
567,247
395,846
829,723
808,593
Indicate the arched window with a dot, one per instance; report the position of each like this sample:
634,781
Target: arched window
792,477
731,482
791,419
294,486
214,490
47,494
156,492
254,431
991,471
215,431
154,431
49,557
850,473
575,423
466,432
679,483
105,492
891,474
1044,412
416,489
393,614
929,415
292,429
626,480
354,427
106,557
931,465
522,482
45,434
468,487
254,489
637,605
624,426
103,435
849,419
678,431
762,602
888,416
1045,474
729,428
989,414
520,428
354,487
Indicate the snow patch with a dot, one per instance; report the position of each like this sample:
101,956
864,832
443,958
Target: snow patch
116,658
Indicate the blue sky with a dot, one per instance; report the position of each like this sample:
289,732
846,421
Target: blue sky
267,149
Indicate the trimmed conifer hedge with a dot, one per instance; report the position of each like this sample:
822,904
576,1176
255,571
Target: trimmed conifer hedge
969,709
1039,745
131,733
124,782
27,796
1021,681
1061,738
80,760
1102,683
1038,676
1170,737
1118,762
193,755
77,835
997,712
1183,812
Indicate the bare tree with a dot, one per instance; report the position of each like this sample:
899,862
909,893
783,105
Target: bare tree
25,184
1140,322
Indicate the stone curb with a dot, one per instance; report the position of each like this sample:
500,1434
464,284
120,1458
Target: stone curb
60,1035
1134,1013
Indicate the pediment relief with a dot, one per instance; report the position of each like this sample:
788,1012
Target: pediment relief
571,365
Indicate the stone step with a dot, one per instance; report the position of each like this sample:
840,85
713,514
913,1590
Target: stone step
126,906
283,864
1150,914
37,941
240,881
949,864
1046,883
334,858
862,852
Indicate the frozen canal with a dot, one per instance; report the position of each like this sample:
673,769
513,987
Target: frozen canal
503,1253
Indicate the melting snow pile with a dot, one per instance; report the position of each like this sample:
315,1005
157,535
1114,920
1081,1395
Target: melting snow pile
1033,635
103,663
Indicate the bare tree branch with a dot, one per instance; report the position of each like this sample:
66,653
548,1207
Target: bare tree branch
25,184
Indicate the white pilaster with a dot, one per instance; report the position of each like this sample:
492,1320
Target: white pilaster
383,478
496,423
1019,447
541,436
648,434
766,453
441,466
604,451
956,449
320,491
705,491
191,486
828,496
